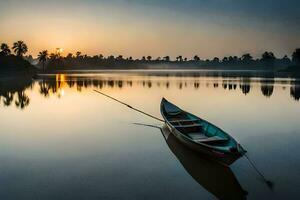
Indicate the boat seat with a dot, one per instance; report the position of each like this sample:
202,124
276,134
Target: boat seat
211,139
184,120
188,126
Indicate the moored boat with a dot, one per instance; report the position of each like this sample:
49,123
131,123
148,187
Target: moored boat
200,135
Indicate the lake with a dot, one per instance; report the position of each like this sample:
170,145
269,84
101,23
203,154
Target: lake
61,140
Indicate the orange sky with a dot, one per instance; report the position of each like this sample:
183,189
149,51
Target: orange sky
113,28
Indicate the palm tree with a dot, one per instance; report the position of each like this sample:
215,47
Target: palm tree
5,49
78,53
20,48
43,56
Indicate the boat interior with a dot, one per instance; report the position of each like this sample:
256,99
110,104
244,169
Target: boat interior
196,129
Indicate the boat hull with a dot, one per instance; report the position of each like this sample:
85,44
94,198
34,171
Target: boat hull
221,157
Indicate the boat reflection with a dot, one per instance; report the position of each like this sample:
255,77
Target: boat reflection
217,179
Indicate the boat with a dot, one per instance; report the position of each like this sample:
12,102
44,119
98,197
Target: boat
217,179
201,135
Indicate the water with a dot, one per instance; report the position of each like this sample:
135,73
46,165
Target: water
61,140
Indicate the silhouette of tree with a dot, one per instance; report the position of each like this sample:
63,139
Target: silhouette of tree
196,58
119,58
268,58
43,56
149,58
247,58
69,56
143,58
5,49
179,58
78,54
167,58
20,48
225,60
296,56
53,56
216,60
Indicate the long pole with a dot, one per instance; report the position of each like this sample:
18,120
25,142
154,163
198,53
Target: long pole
129,106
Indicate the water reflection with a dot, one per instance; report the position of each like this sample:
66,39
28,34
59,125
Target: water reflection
217,179
295,92
267,87
15,90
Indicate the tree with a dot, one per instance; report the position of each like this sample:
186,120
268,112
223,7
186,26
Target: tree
179,58
246,58
296,56
120,57
167,58
268,58
78,54
20,48
149,58
43,56
5,49
69,56
216,60
196,58
225,60
53,56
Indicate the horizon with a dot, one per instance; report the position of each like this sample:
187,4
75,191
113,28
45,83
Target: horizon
138,28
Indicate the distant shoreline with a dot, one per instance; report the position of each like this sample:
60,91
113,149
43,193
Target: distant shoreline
177,72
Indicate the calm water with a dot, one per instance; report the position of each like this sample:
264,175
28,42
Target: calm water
61,140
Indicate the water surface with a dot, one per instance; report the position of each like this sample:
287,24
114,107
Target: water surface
61,140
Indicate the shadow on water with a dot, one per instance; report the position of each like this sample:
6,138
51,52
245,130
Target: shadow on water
217,179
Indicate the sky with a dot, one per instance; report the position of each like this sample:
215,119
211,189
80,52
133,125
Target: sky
137,28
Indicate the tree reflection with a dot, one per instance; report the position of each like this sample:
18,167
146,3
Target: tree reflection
8,98
15,91
22,101
295,91
267,87
245,85
44,89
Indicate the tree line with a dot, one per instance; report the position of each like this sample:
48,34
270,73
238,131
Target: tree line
56,61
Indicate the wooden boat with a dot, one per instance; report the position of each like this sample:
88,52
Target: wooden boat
216,178
200,135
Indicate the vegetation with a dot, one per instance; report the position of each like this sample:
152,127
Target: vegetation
43,56
55,61
268,62
20,48
14,65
